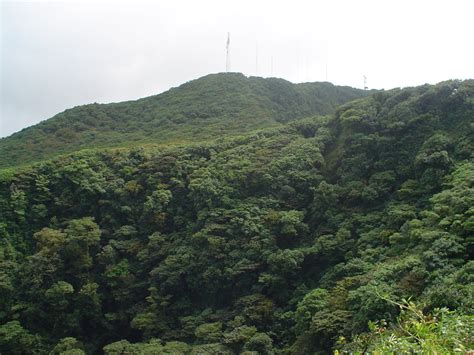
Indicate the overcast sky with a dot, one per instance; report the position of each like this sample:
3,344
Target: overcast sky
60,54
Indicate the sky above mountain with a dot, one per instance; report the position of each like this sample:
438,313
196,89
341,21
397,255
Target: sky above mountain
58,54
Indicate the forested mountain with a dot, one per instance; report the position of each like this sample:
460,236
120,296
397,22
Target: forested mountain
214,105
352,231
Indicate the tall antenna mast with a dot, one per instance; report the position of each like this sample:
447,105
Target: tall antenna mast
365,83
271,67
227,58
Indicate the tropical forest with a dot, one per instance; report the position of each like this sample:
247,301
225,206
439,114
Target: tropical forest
243,215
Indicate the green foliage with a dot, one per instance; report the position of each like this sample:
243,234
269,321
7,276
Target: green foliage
68,346
239,336
282,240
58,293
439,332
15,339
261,343
209,332
214,105
313,302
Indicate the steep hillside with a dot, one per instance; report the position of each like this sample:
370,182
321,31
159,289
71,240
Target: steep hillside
202,109
292,240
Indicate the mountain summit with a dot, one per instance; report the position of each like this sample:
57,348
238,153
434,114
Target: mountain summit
214,105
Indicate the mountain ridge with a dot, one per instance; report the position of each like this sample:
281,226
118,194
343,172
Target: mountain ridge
210,106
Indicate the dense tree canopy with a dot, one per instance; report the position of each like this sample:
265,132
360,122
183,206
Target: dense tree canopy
298,239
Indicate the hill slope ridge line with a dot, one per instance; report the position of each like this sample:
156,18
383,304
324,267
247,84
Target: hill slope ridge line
208,107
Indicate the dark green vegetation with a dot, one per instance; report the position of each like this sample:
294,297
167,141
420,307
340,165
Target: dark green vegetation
215,105
297,239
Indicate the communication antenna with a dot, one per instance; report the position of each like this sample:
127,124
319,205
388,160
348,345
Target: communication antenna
227,58
365,83
271,67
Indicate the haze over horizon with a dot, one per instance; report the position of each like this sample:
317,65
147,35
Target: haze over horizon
60,54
